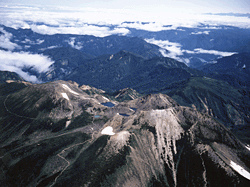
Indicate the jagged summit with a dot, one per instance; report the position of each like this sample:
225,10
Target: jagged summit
153,101
126,94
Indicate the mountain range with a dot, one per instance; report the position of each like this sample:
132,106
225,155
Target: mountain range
193,46
234,69
54,134
125,69
116,111
30,41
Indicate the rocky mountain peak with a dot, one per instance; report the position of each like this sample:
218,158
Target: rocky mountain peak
52,132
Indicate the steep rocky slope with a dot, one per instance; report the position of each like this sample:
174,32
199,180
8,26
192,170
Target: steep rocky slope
217,98
54,134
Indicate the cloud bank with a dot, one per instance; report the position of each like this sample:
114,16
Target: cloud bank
5,40
168,49
175,51
204,32
84,29
90,21
15,62
212,52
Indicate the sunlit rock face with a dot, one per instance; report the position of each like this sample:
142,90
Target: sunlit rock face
84,143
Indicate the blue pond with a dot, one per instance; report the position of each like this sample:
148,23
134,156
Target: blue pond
108,104
134,109
123,114
96,116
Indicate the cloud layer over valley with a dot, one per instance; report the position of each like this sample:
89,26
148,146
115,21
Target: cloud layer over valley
16,62
5,40
174,50
180,35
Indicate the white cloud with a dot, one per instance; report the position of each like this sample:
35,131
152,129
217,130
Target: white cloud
81,30
213,52
151,26
14,61
173,49
37,42
50,47
96,21
204,32
5,40
71,42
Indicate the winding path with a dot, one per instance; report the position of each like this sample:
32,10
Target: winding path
49,137
12,112
68,162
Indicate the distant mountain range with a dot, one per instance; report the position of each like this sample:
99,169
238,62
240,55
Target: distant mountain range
120,70
194,46
234,69
27,40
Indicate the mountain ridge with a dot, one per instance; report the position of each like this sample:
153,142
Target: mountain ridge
233,69
103,147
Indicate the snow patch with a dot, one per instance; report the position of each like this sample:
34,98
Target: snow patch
105,98
67,123
67,88
240,170
65,96
248,147
108,131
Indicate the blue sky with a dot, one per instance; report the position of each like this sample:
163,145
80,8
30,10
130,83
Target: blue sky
190,6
